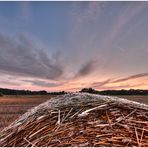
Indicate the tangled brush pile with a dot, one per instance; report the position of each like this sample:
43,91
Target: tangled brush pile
80,120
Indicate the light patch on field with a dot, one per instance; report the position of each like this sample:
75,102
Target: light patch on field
11,107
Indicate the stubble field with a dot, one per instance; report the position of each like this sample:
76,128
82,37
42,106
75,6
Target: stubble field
11,107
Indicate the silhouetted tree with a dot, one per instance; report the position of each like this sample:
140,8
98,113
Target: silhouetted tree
5,91
88,90
116,92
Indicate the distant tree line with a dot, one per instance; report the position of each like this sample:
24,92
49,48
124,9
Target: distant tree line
116,92
4,91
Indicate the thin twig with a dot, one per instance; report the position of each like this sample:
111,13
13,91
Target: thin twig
37,131
76,113
85,113
33,145
142,122
125,117
109,121
67,115
137,137
58,122
98,136
141,137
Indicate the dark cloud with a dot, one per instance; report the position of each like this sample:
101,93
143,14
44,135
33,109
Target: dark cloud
131,77
42,83
20,56
87,69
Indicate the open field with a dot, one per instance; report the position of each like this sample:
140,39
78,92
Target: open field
23,100
11,107
141,99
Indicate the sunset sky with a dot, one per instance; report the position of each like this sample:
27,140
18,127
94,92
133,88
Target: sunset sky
57,46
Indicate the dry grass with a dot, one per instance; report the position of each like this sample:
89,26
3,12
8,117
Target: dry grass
137,98
23,100
8,113
11,107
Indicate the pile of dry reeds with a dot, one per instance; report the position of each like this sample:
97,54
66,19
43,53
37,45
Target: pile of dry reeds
84,120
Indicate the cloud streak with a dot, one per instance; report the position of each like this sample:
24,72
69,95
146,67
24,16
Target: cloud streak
100,84
87,69
5,82
42,83
131,77
105,84
86,12
125,16
125,86
20,56
25,11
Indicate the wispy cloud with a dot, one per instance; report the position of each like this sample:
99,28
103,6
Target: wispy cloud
106,83
42,83
125,16
101,84
5,82
25,11
124,86
87,12
21,56
87,69
83,36
131,77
